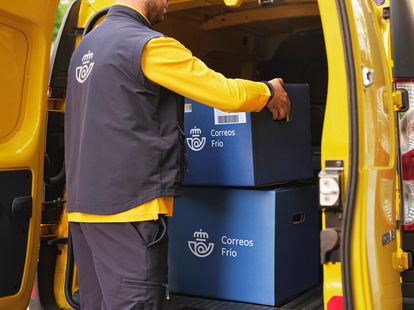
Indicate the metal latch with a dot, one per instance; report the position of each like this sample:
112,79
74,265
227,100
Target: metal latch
401,261
330,239
367,77
330,184
58,203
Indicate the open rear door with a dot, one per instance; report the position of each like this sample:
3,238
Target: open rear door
358,244
25,37
371,278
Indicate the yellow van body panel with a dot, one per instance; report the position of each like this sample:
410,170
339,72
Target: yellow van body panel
25,39
375,283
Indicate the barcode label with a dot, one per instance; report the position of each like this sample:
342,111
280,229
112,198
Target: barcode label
188,107
223,118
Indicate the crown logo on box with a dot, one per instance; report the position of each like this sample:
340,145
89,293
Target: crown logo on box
201,235
195,131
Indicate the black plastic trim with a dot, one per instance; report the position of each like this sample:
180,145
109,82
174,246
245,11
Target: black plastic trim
69,275
353,158
408,291
402,38
408,275
15,212
62,52
46,274
334,220
57,179
22,207
408,303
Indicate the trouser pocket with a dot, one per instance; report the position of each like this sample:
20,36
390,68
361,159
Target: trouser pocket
151,233
144,284
152,237
162,232
152,295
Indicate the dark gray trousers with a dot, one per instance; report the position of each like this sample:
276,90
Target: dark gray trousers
121,266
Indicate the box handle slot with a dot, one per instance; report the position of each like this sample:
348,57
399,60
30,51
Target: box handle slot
298,218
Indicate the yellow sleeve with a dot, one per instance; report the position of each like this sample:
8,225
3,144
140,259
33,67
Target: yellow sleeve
167,62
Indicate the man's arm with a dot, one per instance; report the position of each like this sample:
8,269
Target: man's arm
167,62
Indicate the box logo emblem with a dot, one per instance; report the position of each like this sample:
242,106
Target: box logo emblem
200,247
196,142
83,71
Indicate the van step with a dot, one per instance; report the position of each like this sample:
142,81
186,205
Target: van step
310,300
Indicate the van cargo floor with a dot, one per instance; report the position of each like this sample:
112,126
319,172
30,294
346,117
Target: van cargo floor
310,300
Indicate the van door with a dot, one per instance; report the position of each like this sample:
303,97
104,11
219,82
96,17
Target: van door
25,37
366,220
371,280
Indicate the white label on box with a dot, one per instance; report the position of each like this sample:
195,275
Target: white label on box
188,107
223,118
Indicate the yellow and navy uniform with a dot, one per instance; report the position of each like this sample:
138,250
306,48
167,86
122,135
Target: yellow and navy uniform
166,62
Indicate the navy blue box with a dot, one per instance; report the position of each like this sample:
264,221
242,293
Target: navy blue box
248,149
256,246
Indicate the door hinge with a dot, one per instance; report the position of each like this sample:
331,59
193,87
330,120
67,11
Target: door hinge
401,261
397,100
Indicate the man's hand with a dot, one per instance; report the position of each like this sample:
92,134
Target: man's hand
280,103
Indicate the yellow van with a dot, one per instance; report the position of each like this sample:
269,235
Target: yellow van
356,55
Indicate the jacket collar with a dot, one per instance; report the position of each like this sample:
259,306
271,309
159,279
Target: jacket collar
123,10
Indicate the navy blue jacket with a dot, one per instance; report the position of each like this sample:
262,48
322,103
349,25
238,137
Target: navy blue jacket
123,141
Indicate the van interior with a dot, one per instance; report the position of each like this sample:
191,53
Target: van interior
258,42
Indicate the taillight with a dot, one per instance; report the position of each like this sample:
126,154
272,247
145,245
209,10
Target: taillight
406,131
335,303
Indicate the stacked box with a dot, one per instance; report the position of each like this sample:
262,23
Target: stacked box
256,246
248,149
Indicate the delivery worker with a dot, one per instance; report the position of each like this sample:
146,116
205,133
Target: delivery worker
124,149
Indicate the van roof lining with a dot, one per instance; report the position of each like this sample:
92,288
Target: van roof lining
253,18
180,5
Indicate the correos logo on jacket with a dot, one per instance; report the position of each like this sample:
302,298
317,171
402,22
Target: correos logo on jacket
200,247
83,71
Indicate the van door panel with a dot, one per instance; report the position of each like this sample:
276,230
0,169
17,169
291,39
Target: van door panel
14,228
25,37
13,45
375,283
